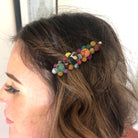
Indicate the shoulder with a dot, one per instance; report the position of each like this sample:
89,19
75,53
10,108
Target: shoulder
131,133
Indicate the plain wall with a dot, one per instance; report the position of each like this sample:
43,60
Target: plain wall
7,29
121,14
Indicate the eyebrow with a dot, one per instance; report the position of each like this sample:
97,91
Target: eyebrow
13,78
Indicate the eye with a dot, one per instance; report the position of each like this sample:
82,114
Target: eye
11,89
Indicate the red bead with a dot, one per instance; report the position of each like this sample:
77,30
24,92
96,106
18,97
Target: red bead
96,48
55,65
89,57
64,58
79,62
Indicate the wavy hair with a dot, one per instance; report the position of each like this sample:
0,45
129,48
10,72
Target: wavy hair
95,101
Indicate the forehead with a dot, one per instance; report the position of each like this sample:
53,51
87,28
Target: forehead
15,62
17,68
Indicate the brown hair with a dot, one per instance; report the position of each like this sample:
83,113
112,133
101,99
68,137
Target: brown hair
94,100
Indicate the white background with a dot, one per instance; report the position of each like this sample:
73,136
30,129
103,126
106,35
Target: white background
7,29
121,14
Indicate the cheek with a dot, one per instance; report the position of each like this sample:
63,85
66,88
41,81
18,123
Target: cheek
30,108
30,114
39,96
34,122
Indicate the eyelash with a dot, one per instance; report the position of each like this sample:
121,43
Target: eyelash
11,89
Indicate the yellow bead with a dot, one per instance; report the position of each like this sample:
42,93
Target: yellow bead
92,51
67,54
70,67
100,42
60,73
92,43
84,59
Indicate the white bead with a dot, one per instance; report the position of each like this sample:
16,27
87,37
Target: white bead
54,71
79,56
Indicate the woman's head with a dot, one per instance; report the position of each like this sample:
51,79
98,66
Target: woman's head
27,98
91,101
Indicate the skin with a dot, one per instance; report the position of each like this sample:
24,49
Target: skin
30,109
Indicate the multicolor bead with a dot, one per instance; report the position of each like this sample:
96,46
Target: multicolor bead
74,59
76,66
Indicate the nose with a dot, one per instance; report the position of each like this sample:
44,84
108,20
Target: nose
3,99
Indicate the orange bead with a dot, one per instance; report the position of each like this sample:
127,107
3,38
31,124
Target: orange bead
85,52
70,67
84,59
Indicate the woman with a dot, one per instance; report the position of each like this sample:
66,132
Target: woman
67,78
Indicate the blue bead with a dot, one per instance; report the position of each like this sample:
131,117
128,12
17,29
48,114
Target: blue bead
83,47
76,66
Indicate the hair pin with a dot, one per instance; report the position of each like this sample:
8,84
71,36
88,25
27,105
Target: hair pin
75,59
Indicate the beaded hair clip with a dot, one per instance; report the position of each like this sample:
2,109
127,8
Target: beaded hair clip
74,59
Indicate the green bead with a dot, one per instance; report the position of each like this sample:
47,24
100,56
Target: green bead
60,67
88,46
